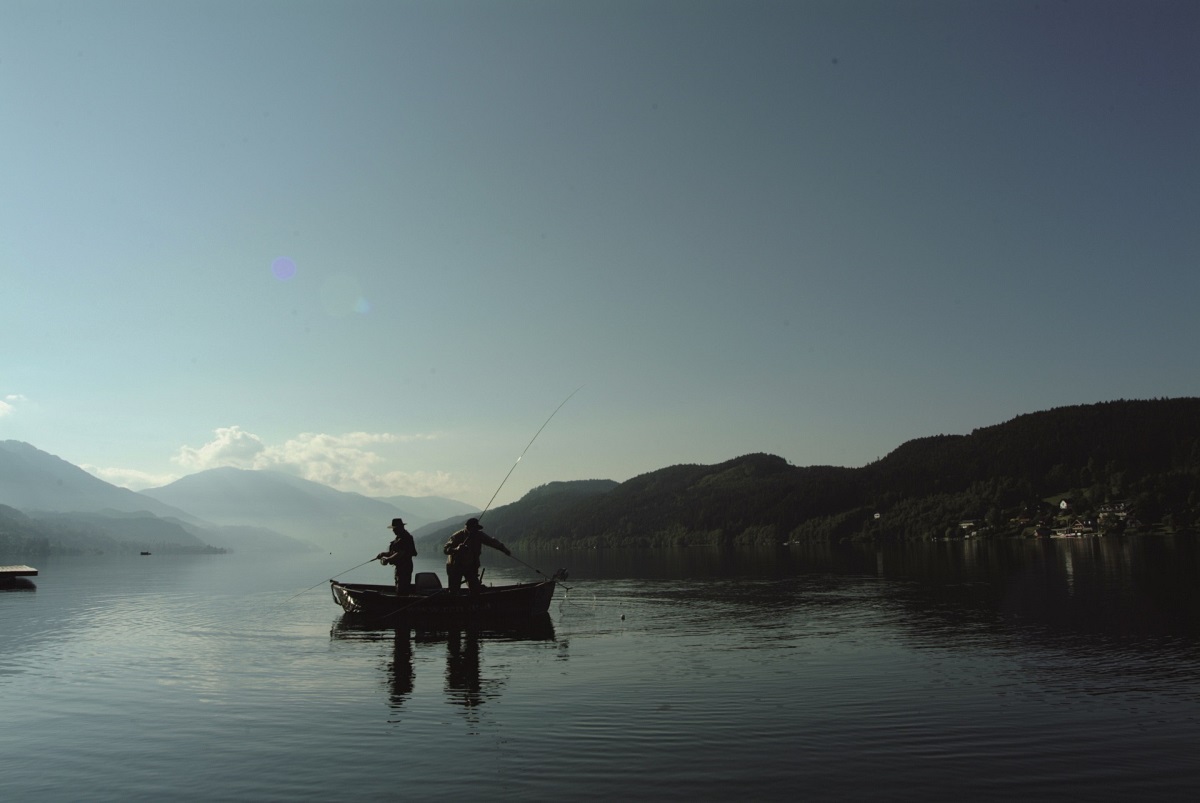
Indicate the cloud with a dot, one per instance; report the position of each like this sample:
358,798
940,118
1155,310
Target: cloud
231,447
420,483
349,462
8,404
130,478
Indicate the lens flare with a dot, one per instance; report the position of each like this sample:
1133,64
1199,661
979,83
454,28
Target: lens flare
283,268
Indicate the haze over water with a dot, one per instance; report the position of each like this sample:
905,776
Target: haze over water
986,670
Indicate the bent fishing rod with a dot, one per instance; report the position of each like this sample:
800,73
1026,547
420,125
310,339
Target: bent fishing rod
531,440
485,510
560,572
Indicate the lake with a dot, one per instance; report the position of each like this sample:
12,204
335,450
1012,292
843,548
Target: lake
981,670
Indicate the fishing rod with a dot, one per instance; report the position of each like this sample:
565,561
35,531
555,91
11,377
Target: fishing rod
557,577
561,574
531,440
485,510
339,574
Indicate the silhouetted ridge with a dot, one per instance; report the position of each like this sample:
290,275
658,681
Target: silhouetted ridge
1145,454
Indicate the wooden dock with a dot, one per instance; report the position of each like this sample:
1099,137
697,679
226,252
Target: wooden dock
17,571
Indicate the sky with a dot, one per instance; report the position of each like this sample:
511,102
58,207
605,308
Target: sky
378,244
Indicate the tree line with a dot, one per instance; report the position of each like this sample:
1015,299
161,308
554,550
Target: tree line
1118,466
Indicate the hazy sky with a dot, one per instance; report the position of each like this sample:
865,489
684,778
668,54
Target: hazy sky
378,243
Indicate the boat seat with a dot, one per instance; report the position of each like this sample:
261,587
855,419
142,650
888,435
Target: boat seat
427,581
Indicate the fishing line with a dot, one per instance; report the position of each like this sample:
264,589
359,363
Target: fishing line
569,600
339,574
558,577
531,440
480,516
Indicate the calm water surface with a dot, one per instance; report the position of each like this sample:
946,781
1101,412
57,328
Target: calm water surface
1046,671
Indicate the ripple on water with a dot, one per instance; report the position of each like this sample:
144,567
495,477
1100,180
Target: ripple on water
838,686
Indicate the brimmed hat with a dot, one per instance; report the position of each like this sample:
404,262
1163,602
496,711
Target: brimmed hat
473,523
396,523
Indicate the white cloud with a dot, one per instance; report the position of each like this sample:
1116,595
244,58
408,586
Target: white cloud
349,462
420,483
130,478
8,405
232,447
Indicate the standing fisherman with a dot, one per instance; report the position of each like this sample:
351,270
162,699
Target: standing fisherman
462,555
400,554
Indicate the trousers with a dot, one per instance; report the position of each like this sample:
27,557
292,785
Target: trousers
404,568
457,572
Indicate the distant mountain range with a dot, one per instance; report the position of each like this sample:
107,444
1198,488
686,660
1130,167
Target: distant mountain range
33,480
333,520
60,507
1139,457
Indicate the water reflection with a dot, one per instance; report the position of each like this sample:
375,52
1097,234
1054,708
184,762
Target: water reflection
464,681
468,680
1107,588
401,674
1121,585
1077,602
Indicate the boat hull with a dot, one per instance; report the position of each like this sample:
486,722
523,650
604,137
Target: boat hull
520,600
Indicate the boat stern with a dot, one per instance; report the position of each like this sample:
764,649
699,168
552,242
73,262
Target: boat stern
343,597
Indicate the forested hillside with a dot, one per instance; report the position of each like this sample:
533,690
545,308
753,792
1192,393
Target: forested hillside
1141,458
94,533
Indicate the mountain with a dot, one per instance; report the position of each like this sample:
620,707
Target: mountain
66,509
333,520
1129,461
106,531
510,521
422,510
33,480
244,511
739,500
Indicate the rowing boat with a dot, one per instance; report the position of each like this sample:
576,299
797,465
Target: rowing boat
429,599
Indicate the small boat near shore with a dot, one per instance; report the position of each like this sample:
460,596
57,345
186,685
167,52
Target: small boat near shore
428,599
17,577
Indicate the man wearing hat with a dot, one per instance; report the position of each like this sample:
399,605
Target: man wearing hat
400,554
462,555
